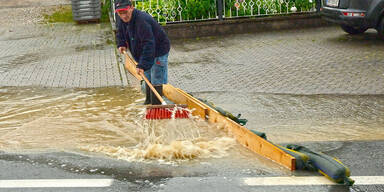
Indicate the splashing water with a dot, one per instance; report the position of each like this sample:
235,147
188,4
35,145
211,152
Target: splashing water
170,140
105,121
176,150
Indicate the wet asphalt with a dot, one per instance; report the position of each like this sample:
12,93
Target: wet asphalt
363,158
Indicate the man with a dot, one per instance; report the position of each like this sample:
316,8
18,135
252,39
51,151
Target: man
148,44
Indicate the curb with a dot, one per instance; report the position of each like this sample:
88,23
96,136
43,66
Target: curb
244,25
241,25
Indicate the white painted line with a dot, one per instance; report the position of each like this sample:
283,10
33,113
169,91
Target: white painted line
34,183
270,181
368,180
316,180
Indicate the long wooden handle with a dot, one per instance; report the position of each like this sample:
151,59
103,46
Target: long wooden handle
147,81
153,89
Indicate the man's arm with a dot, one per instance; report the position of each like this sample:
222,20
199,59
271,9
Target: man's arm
120,36
147,57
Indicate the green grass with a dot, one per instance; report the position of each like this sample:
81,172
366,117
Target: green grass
63,14
104,11
60,14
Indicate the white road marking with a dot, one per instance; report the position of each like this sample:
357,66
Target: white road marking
34,183
316,180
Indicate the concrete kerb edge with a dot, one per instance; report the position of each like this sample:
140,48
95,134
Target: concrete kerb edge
120,62
126,78
244,25
123,74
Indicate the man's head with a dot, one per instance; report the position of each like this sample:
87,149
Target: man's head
124,9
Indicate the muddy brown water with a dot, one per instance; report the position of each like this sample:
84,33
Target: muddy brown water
287,118
109,122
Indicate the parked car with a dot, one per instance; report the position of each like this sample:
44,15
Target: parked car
355,16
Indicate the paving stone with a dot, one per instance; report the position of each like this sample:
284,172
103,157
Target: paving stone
59,55
311,61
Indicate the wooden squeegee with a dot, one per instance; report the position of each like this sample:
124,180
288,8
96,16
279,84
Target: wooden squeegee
243,135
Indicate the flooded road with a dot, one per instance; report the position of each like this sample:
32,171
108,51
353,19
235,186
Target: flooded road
101,132
106,121
109,121
290,118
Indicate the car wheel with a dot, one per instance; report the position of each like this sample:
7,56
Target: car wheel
353,30
380,29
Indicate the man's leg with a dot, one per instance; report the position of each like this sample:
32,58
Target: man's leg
159,76
147,89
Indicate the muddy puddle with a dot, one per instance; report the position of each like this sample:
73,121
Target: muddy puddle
104,121
109,122
289,118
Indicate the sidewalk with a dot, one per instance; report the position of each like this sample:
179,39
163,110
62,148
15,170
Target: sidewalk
58,55
321,60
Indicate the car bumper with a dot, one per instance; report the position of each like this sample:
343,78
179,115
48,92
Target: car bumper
335,15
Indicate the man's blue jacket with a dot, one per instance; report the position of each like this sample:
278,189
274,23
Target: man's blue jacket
144,37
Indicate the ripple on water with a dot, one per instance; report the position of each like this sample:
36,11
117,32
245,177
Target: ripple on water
106,121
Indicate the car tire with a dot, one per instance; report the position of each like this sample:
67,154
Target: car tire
353,30
380,29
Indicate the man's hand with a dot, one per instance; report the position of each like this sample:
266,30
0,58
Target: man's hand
140,71
122,49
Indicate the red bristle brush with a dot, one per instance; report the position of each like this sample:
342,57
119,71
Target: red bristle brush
162,111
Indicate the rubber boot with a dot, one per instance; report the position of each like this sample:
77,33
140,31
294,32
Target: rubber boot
147,95
154,99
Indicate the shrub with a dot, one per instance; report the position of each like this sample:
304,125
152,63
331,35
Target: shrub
181,10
